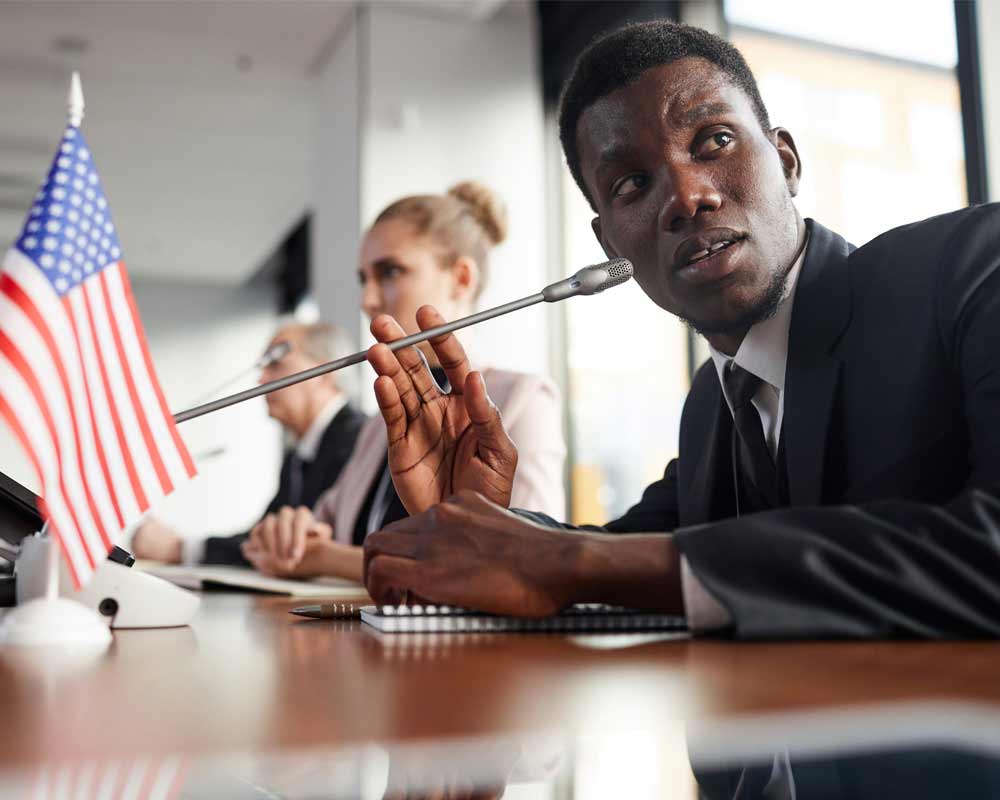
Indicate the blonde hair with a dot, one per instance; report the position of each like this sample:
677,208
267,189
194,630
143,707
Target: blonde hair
468,220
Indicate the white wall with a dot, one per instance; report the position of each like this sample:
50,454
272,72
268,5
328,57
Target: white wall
451,99
413,102
200,337
989,71
336,222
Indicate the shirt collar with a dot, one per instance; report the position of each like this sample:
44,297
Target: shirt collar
764,350
308,445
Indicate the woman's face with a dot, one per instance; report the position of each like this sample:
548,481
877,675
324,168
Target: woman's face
400,272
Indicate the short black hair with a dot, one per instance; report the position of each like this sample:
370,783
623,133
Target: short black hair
616,60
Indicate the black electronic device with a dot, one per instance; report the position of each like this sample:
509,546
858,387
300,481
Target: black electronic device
19,515
19,518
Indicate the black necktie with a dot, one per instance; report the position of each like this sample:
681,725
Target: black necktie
755,465
296,479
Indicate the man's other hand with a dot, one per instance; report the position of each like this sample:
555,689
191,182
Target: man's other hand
156,541
468,551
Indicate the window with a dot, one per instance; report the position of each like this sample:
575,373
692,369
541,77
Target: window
627,380
877,118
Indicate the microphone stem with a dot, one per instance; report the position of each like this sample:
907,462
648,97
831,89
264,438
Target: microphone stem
356,358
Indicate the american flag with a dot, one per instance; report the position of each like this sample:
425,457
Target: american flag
77,385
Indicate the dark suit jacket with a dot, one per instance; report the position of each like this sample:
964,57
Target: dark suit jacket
917,773
891,433
318,475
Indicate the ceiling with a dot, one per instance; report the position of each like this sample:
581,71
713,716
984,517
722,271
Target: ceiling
199,115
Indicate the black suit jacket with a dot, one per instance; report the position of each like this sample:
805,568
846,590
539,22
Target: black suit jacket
891,433
318,475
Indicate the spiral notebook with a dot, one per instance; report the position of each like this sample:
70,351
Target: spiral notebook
584,617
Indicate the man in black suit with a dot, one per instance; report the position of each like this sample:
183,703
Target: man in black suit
839,456
317,415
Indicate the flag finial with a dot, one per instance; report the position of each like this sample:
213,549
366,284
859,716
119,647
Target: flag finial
75,101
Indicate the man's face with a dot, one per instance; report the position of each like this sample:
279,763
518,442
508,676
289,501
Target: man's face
693,192
293,405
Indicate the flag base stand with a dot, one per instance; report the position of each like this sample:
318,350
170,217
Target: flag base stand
54,621
51,620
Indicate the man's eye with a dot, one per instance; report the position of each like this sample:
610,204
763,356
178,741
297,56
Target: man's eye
630,183
716,142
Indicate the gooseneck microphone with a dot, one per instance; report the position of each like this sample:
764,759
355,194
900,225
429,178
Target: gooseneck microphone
589,280
272,355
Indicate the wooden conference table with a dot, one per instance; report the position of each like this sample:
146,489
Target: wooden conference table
248,676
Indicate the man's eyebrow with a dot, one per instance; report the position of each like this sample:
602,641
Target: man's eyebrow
613,153
694,115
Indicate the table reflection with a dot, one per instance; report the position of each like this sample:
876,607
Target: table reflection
912,751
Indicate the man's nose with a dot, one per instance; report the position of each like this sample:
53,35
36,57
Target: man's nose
691,192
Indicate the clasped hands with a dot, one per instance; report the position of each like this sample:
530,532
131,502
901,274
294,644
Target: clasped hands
288,543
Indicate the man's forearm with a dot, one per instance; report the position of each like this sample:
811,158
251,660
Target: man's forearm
639,570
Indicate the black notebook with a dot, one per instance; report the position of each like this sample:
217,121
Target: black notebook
584,617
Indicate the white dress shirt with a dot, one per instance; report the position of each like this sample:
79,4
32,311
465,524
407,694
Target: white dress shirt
307,446
193,550
764,353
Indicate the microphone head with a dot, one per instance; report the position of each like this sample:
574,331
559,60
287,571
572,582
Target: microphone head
590,280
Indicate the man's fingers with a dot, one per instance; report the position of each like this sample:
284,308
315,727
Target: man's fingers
268,533
258,559
448,349
387,365
416,375
388,577
394,543
301,524
255,539
393,412
485,419
283,540
321,530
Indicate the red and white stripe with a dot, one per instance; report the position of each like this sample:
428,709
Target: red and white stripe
143,779
78,388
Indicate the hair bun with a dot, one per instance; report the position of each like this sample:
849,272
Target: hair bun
488,209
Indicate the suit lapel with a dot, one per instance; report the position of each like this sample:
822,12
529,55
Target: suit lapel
711,489
821,312
358,475
317,471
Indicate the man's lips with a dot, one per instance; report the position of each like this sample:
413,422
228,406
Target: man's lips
703,246
714,266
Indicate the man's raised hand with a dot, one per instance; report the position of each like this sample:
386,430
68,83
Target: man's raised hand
438,443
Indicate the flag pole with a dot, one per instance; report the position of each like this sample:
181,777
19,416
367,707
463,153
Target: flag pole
74,112
52,570
74,101
42,617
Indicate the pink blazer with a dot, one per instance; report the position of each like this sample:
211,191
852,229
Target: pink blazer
532,415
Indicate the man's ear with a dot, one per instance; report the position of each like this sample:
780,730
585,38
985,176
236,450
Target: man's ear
609,251
788,153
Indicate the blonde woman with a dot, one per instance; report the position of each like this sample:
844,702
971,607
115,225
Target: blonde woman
421,250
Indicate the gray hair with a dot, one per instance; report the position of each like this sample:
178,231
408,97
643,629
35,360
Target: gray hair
323,341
